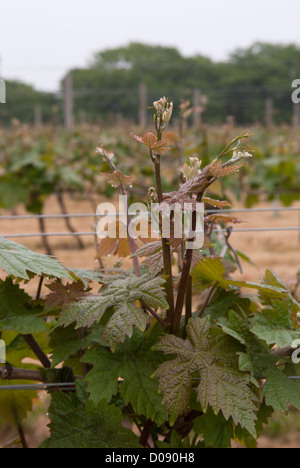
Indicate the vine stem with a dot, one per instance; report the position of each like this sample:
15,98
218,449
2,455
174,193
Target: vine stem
208,299
166,249
22,437
8,372
146,432
33,344
30,340
188,301
185,275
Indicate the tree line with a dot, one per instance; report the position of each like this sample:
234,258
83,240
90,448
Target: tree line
108,87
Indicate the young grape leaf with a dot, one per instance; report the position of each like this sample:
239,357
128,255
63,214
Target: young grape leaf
224,301
211,271
134,362
17,260
64,342
273,280
63,295
278,389
212,355
176,441
84,275
14,315
217,170
120,298
15,404
215,203
74,425
118,178
150,140
216,431
274,326
223,218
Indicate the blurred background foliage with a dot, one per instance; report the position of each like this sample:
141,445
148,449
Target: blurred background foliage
108,86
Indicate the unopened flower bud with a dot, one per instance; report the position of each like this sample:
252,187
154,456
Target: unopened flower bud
160,105
167,114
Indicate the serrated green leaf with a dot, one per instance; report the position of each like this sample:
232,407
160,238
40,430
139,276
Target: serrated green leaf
274,326
223,301
103,378
85,275
15,404
134,363
176,441
141,390
75,426
17,260
65,342
222,385
121,324
278,389
121,297
216,431
272,279
14,315
210,271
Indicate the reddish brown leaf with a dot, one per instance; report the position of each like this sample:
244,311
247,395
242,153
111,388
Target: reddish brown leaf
217,170
217,218
117,178
150,140
215,203
117,241
62,295
136,138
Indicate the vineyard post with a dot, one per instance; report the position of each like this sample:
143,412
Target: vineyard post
68,102
269,112
197,108
143,97
38,120
296,116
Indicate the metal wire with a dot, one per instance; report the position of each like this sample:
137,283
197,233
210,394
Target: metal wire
42,386
94,215
82,234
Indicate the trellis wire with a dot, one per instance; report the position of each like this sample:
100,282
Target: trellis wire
69,386
42,386
82,234
96,215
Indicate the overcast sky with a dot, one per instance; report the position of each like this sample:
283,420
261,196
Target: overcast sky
41,39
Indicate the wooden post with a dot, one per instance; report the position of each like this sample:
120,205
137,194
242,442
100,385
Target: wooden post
38,121
143,105
269,112
68,102
296,116
197,109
